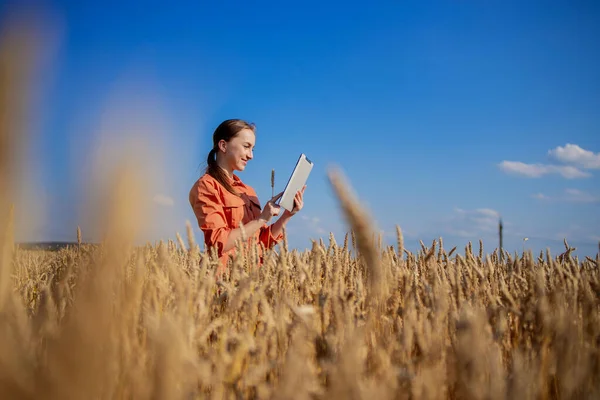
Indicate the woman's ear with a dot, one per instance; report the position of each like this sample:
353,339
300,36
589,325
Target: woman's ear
222,145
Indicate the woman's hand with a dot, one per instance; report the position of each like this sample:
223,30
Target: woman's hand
298,201
271,209
277,227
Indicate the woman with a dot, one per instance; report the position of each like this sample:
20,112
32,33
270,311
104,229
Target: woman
221,201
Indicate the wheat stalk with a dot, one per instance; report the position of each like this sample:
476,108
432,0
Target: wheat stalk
272,183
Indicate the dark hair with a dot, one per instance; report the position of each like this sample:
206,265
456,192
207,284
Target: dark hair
226,130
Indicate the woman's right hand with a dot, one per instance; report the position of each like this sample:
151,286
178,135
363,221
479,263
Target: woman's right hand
271,209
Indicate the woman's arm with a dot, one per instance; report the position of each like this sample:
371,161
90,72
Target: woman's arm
277,227
250,229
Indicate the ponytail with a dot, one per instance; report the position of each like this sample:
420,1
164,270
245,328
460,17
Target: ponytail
217,172
211,160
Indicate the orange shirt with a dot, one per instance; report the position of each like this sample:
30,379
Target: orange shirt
219,212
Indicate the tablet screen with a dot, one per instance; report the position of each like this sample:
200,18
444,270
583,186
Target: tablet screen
296,181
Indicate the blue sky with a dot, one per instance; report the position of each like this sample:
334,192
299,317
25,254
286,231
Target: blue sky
443,115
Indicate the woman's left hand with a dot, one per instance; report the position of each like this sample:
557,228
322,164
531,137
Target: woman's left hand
298,201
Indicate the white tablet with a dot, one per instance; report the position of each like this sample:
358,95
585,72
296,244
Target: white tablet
296,182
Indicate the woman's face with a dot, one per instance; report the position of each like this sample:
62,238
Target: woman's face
239,150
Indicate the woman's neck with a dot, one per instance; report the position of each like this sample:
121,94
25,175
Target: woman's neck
225,168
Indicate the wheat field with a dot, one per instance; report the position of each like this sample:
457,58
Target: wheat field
336,321
348,320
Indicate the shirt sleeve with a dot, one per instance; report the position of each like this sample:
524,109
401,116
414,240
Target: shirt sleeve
266,237
211,217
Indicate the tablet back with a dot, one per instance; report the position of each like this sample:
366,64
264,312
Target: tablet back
296,182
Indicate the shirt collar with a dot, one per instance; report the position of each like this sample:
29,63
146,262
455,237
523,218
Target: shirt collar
236,181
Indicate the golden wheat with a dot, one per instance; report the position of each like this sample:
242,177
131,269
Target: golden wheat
146,322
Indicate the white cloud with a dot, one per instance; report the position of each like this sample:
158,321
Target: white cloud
571,196
539,170
576,195
573,154
311,219
572,157
487,212
163,200
540,196
313,223
473,223
577,233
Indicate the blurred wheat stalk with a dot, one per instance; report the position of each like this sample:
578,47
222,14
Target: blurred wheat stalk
119,321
